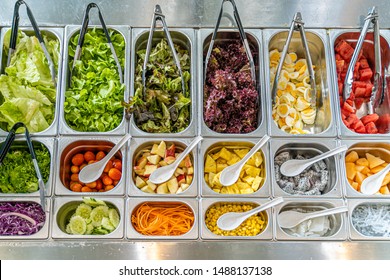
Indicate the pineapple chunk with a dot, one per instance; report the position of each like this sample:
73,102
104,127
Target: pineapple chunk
258,159
248,179
351,157
221,166
373,160
233,189
251,170
225,154
211,178
234,159
351,171
216,182
362,162
241,152
242,185
210,165
215,156
256,183
246,191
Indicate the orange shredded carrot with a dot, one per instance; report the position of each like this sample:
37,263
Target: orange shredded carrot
160,219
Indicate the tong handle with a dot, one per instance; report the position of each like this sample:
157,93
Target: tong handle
158,15
242,36
83,31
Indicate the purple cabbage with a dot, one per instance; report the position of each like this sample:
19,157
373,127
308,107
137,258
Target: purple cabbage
231,99
21,218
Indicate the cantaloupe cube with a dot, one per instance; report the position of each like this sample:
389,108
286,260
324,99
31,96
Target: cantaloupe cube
362,162
351,156
377,169
384,190
351,171
365,170
360,168
355,185
360,177
373,160
386,180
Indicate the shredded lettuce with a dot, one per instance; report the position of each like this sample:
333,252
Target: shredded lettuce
94,100
27,92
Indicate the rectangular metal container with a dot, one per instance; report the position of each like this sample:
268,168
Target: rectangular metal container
68,146
63,209
377,147
209,144
206,234
70,31
312,147
351,36
43,233
53,33
354,233
254,39
132,234
138,144
338,222
185,38
325,123
51,145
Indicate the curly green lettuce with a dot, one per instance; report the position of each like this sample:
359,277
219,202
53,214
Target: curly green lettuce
93,103
165,108
27,92
17,173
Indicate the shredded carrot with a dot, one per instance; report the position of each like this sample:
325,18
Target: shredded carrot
160,219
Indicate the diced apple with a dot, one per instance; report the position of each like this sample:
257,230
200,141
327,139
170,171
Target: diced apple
142,162
179,171
162,163
139,182
187,162
179,190
151,185
190,170
154,149
162,189
147,189
154,159
189,179
149,169
181,179
161,149
170,152
173,185
139,171
169,159
184,186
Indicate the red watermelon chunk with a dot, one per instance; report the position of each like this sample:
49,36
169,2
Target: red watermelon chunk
370,118
371,128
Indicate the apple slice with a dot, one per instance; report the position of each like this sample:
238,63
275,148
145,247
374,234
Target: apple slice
170,152
149,169
151,185
162,189
147,189
139,182
154,149
173,185
161,149
154,159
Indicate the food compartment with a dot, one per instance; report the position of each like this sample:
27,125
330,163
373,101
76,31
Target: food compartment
353,115
369,219
162,219
256,227
92,103
233,106
216,155
43,120
319,180
292,112
331,227
91,218
148,155
362,160
74,155
24,219
174,114
17,173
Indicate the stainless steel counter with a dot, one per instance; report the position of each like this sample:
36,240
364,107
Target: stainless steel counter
199,14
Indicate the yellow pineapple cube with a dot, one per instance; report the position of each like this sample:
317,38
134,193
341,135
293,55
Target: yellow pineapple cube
258,159
234,159
210,165
248,179
251,170
225,154
221,166
211,178
246,191
241,152
256,183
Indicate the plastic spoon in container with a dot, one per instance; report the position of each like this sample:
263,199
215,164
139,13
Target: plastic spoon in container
92,172
231,173
232,220
373,183
291,218
163,174
294,167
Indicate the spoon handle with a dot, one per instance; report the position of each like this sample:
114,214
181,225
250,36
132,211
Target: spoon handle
254,149
328,154
264,206
327,212
187,150
118,146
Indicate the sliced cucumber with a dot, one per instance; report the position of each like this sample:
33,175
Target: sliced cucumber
89,229
97,215
114,217
107,224
68,229
93,201
100,231
83,210
77,225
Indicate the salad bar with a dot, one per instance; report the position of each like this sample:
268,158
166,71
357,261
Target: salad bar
80,88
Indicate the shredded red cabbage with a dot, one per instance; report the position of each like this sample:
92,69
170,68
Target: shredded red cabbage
12,221
231,99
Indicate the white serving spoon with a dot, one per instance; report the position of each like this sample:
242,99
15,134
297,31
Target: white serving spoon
232,220
373,183
230,174
92,172
164,173
291,218
294,167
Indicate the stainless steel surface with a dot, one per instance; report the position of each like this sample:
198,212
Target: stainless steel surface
215,144
69,146
185,38
352,36
52,33
206,203
73,30
135,150
43,233
338,222
254,40
133,203
310,147
65,207
51,146
325,125
376,147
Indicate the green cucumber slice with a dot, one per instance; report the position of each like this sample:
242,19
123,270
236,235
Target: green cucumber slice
114,217
93,201
77,225
84,210
89,229
107,224
97,215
